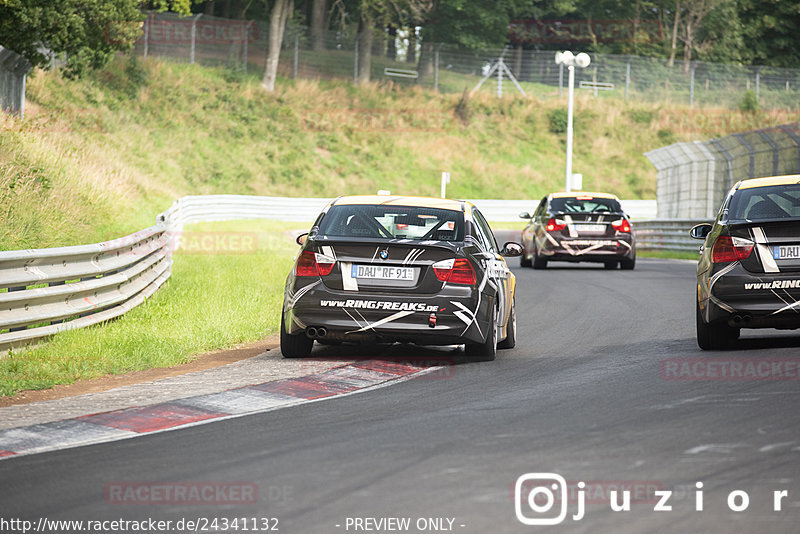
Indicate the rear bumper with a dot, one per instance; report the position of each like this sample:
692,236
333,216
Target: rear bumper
744,300
457,314
588,249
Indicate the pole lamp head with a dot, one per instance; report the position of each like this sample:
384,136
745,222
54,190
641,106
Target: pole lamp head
564,58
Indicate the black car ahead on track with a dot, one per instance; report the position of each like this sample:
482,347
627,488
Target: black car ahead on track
578,227
748,275
400,269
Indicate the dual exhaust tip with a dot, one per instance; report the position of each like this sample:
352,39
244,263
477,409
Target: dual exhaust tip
738,320
316,332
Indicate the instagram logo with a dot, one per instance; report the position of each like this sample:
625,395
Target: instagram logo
541,492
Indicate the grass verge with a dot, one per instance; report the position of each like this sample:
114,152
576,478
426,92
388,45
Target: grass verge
667,254
213,300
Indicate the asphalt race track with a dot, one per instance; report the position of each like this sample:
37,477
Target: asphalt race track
598,389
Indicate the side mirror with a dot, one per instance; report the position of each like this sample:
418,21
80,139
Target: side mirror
700,231
301,239
524,215
511,249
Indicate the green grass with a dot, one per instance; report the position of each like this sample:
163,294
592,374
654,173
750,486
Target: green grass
667,254
211,301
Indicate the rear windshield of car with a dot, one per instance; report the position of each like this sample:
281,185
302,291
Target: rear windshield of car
766,203
392,222
585,205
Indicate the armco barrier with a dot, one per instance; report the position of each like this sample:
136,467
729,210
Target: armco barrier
46,291
667,234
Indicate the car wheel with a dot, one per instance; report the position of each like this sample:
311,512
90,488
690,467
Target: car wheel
486,351
627,264
524,261
511,330
610,264
714,336
294,346
538,262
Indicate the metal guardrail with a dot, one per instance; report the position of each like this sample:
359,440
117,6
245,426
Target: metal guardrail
47,291
667,234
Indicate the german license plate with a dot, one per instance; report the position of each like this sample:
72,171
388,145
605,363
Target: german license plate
382,272
591,228
786,252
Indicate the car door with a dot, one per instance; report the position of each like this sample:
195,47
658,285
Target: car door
529,232
496,267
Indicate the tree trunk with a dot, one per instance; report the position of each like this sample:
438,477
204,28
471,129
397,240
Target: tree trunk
319,11
277,25
411,57
208,8
674,45
365,37
687,46
391,46
226,9
425,67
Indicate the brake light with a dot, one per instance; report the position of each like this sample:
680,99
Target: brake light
312,264
728,249
554,225
622,225
455,271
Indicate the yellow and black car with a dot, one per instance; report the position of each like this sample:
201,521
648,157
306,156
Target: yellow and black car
400,269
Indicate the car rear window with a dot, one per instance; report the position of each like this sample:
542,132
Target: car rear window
766,203
392,222
585,204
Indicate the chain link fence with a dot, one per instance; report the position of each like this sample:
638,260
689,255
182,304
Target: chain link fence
13,71
450,69
693,178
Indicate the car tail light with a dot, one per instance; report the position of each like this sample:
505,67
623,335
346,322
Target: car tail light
312,264
727,249
455,271
554,225
622,225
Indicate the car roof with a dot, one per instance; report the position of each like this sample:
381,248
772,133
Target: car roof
393,200
771,180
575,194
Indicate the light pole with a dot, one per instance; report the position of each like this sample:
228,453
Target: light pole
571,61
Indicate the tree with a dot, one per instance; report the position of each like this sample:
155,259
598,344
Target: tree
319,23
281,10
87,33
770,29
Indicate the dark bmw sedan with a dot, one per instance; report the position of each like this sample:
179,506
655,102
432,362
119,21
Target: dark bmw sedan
748,275
578,227
400,269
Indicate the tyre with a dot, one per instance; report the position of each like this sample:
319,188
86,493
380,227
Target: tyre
627,264
610,265
539,263
486,351
523,261
294,346
511,330
714,336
